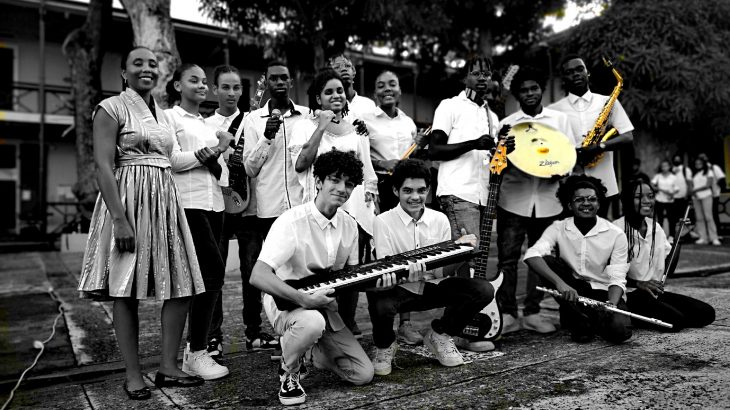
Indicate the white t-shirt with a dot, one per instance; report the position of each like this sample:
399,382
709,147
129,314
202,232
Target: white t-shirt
665,183
700,180
683,175
719,176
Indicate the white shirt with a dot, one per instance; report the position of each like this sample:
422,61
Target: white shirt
665,183
600,257
582,113
303,240
198,187
220,122
524,194
277,187
643,267
467,176
396,232
390,138
700,180
679,170
358,107
719,176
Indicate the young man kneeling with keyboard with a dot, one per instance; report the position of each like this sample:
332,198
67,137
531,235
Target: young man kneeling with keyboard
409,226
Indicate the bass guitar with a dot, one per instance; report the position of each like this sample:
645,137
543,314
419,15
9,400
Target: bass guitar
236,195
487,324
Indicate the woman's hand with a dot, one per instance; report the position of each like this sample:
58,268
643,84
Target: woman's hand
325,118
654,287
123,235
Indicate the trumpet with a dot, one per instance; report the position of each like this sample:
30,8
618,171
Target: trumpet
607,306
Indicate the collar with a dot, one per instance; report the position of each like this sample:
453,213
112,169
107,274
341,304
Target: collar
521,115
406,219
292,109
462,95
322,220
178,109
379,112
600,226
588,96
230,117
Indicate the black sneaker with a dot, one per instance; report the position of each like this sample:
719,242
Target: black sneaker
215,349
291,392
303,371
263,341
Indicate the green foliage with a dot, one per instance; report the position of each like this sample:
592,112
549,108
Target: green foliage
675,60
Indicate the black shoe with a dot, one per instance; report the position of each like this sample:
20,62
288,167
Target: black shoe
291,392
215,349
163,380
140,394
303,371
579,336
262,341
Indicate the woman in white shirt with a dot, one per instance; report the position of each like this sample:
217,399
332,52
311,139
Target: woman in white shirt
202,199
666,187
648,251
702,182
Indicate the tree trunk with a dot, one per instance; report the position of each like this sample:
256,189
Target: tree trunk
84,49
153,29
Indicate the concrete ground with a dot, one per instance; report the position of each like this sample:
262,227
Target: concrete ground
81,367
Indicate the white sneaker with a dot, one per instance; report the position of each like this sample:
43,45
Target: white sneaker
717,242
201,364
383,359
537,323
442,346
473,345
700,242
408,334
509,324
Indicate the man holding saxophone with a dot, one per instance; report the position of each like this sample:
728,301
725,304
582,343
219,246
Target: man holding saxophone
584,110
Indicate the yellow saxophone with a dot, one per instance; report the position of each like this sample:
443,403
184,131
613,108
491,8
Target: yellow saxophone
598,133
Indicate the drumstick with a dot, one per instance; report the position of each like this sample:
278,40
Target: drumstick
413,147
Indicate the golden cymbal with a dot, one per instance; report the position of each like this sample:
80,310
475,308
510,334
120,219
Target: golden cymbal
541,150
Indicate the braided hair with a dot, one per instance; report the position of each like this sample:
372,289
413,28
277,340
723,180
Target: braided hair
633,218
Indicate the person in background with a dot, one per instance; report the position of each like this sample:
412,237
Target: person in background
666,187
719,177
702,183
684,181
358,105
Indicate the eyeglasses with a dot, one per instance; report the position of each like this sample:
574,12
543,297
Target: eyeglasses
583,199
477,73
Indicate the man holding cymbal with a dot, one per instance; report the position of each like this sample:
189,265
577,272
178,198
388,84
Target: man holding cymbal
527,204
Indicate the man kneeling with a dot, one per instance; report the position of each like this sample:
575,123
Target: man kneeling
408,226
592,262
313,236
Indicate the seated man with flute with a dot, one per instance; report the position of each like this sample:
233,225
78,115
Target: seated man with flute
408,226
591,261
314,236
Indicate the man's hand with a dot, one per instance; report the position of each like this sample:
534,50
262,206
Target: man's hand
416,270
388,165
360,127
566,292
387,281
421,138
588,153
654,287
319,299
225,140
467,239
509,144
272,127
504,131
485,142
209,159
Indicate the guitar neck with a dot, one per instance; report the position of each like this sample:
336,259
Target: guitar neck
485,231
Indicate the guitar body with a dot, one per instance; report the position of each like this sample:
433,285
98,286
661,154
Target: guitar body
233,202
487,324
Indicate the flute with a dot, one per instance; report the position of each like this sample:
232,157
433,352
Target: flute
607,306
675,248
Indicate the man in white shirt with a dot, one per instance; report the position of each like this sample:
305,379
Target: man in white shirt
266,149
583,107
357,104
527,205
591,261
307,238
464,130
408,226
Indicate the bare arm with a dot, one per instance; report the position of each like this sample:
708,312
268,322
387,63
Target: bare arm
539,265
309,149
440,150
105,135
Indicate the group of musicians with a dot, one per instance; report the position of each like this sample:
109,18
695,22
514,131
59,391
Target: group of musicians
345,155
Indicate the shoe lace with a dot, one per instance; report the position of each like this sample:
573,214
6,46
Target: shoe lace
206,360
384,355
447,347
292,381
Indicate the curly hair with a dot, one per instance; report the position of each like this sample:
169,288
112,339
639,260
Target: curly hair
318,84
410,168
526,74
339,163
633,219
575,182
